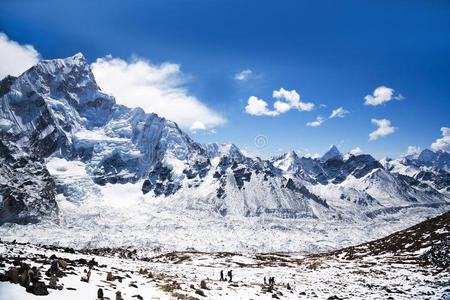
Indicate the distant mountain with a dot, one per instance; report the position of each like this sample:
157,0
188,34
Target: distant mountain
332,152
70,154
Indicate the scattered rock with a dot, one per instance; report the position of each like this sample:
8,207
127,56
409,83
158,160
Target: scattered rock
203,285
138,296
25,279
87,277
54,270
200,292
52,283
334,297
109,276
13,275
38,288
100,294
119,295
92,263
143,271
62,263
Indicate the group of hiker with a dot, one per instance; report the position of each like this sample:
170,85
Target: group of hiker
229,274
271,280
230,278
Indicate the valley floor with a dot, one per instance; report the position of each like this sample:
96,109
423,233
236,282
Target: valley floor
178,275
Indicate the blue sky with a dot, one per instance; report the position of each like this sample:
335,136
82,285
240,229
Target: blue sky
332,53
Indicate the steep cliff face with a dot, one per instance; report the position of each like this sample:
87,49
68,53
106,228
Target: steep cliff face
27,191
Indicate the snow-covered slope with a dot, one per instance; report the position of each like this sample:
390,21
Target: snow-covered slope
113,170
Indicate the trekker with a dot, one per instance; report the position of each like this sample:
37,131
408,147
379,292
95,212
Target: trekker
221,276
230,274
264,280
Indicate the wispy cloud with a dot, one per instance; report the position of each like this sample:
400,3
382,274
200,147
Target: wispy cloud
319,120
155,88
15,58
444,142
244,75
338,113
381,95
384,128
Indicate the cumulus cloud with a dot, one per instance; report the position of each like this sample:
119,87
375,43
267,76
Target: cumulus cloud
293,99
319,120
355,151
381,95
338,113
444,142
384,128
243,75
258,107
287,100
15,58
155,88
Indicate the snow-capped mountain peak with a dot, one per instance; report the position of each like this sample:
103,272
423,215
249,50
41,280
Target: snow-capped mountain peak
331,153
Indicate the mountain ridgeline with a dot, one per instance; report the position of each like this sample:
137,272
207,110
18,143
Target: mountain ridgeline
63,138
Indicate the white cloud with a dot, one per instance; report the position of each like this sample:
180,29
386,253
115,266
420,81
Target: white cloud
15,58
355,151
319,120
338,113
281,107
258,107
444,142
314,156
198,126
243,75
293,99
155,88
413,150
381,95
287,100
384,128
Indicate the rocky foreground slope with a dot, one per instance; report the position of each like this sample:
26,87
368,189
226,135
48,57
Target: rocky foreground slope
410,264
77,169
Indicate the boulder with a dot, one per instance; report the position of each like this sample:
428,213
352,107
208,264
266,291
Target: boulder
203,285
13,275
109,276
62,263
38,288
53,282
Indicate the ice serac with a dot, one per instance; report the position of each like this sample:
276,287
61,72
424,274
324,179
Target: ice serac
70,154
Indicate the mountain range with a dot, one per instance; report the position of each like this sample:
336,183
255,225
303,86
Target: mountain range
77,168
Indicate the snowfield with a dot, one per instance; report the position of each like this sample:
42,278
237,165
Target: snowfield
388,268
